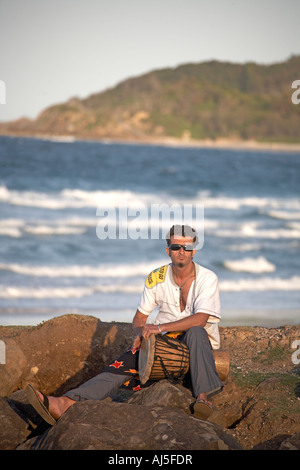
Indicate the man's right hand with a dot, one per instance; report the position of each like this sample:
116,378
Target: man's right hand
137,342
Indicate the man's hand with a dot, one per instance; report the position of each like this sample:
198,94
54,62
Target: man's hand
148,330
137,342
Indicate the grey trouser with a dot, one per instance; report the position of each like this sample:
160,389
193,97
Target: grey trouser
202,369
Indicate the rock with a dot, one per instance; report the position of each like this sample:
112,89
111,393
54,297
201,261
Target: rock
270,413
229,405
12,371
61,353
280,442
164,393
13,428
265,346
258,406
104,425
291,443
162,408
19,421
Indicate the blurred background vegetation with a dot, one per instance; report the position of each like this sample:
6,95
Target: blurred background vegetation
211,100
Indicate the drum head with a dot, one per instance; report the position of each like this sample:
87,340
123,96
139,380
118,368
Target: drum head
146,358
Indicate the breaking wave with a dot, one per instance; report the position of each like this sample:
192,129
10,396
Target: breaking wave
261,284
255,230
78,271
8,292
135,287
250,265
78,198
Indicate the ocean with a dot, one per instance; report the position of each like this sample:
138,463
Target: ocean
82,223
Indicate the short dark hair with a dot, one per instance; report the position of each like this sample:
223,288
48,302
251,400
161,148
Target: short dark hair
182,231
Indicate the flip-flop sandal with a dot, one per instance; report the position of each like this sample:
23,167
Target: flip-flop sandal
41,408
201,409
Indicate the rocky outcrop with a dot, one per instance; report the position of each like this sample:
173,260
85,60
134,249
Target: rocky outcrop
113,425
61,353
106,425
258,408
234,104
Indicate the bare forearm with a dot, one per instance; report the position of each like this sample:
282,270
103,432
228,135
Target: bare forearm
198,319
138,323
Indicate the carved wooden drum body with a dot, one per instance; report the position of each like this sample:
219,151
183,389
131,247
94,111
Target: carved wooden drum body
164,357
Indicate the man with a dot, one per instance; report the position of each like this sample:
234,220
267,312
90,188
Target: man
188,299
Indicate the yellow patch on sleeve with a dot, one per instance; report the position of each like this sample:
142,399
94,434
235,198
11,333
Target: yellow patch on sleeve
156,276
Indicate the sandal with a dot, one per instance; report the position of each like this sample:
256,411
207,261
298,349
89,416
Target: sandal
201,409
41,408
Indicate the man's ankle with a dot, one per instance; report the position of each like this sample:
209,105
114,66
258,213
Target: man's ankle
59,405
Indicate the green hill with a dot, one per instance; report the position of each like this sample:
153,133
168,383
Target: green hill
211,100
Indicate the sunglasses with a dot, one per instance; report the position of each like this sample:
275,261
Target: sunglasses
176,247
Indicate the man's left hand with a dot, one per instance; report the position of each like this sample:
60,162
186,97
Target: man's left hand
148,330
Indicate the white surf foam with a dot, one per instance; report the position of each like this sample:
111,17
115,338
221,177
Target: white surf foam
284,215
66,226
78,271
261,284
11,227
13,292
147,223
231,203
10,232
255,285
255,230
250,265
48,230
78,198
245,247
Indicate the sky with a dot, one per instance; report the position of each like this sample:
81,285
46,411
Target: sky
53,50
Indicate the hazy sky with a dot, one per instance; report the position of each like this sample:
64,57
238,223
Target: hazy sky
52,50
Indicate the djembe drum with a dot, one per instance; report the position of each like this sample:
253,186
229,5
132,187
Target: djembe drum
164,357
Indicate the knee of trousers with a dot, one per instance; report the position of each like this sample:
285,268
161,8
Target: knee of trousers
196,333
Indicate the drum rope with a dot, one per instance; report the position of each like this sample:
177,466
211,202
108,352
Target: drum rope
178,345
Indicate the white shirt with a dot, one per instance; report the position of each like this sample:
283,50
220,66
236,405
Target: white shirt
161,290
